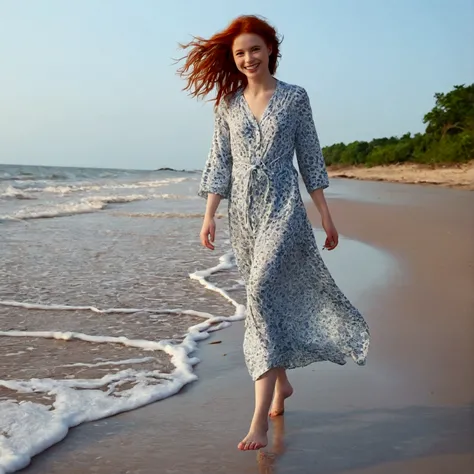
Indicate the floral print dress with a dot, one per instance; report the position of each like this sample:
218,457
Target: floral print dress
296,314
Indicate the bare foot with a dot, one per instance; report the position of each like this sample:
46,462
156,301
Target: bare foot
282,392
255,439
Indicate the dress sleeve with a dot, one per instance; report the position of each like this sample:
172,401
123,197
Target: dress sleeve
308,150
217,173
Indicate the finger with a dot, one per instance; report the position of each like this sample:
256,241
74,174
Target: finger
212,233
208,243
205,241
210,246
331,242
211,237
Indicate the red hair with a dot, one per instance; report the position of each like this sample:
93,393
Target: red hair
210,63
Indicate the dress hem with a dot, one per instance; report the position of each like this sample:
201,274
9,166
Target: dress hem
289,366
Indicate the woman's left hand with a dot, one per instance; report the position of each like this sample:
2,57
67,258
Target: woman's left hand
332,237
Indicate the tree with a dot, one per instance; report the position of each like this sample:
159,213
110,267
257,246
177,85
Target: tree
449,137
453,112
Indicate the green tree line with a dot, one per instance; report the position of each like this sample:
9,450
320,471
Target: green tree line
448,137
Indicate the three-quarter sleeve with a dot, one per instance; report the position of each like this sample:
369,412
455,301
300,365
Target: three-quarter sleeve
217,173
308,150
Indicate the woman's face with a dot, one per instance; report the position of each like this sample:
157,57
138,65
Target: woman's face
251,55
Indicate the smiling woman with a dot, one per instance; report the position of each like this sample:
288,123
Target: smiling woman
250,52
212,63
252,58
296,314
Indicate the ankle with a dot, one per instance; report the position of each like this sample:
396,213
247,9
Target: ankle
260,421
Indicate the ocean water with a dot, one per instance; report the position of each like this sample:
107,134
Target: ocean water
105,293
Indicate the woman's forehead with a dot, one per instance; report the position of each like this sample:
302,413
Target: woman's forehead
246,41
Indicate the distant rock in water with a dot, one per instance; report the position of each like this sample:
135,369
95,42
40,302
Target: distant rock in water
170,169
177,171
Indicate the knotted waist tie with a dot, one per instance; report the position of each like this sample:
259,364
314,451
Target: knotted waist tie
251,173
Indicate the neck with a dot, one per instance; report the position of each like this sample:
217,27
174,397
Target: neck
261,84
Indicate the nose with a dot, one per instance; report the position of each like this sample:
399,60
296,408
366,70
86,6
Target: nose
248,57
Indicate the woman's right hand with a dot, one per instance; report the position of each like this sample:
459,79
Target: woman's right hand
208,232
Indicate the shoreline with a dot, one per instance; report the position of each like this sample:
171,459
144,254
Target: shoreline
459,176
408,410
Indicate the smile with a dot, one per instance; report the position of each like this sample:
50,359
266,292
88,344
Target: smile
253,67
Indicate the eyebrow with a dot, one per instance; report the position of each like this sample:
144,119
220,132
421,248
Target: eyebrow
253,46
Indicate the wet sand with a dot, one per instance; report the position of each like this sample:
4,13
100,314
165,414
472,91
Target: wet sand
409,410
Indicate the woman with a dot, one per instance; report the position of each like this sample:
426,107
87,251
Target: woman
296,314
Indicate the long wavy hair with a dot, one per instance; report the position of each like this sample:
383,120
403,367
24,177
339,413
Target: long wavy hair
210,65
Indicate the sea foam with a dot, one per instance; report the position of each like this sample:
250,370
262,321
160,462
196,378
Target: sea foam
83,206
28,428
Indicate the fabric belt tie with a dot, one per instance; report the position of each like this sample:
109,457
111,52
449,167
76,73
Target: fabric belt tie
251,173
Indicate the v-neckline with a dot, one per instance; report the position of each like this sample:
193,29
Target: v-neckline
267,107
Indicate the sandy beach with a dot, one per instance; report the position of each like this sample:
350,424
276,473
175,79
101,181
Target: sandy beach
134,328
409,410
460,176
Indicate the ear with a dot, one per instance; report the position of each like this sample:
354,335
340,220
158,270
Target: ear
269,48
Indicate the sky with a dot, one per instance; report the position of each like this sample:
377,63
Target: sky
93,82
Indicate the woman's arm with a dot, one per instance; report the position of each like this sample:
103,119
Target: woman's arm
320,202
208,231
216,177
332,237
312,167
